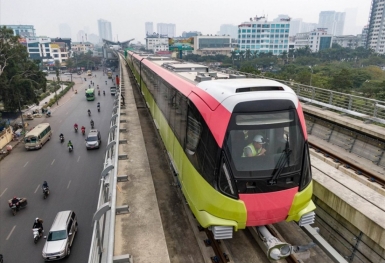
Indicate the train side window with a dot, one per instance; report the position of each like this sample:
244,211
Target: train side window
194,130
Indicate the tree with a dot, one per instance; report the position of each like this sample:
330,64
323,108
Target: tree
19,76
70,64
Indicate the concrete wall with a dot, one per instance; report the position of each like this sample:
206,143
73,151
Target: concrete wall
5,137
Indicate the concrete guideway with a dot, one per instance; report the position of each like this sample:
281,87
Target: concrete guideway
139,233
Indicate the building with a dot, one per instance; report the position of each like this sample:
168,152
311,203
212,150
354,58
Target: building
212,45
65,31
316,40
333,21
93,38
38,47
82,47
259,35
295,26
190,34
59,51
166,29
349,41
228,30
81,36
157,42
22,30
364,35
67,41
105,31
307,27
376,30
149,26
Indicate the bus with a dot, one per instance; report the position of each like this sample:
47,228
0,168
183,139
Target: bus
109,73
89,73
38,136
90,94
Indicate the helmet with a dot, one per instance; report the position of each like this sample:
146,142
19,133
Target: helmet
37,219
259,139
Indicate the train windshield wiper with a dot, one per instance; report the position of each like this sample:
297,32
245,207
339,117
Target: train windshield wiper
282,161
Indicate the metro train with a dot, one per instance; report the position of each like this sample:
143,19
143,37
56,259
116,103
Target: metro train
238,145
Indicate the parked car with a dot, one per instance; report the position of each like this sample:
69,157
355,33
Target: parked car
61,236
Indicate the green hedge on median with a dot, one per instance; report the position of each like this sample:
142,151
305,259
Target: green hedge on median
60,94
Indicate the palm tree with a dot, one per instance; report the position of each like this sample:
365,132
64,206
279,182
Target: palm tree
248,54
241,55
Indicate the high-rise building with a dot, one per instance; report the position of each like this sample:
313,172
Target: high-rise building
22,30
166,29
262,36
376,28
93,38
81,36
364,36
149,28
295,26
65,31
333,21
228,30
105,31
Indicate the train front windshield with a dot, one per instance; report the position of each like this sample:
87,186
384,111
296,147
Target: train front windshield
262,144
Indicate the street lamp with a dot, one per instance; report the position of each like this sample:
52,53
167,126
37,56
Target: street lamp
311,75
57,103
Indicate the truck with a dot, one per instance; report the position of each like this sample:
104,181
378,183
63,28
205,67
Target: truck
113,91
109,74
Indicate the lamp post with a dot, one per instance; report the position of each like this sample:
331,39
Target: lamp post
311,74
57,103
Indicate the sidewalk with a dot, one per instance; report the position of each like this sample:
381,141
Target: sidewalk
78,82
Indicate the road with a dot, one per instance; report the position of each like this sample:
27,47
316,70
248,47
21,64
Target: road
73,178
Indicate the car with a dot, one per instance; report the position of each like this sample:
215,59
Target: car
93,139
61,236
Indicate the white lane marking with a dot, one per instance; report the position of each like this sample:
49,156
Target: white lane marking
3,192
26,164
53,161
11,232
78,158
37,188
68,186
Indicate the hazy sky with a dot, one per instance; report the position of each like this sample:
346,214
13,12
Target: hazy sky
128,16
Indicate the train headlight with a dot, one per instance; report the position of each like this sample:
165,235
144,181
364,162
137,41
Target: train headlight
306,170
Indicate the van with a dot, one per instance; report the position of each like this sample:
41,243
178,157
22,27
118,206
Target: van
113,90
94,139
61,236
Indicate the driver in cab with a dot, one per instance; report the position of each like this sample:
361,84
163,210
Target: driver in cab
255,148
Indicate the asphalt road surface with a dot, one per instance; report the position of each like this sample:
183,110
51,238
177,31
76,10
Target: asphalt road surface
73,178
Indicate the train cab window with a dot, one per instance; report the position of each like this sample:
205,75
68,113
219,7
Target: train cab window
193,135
260,144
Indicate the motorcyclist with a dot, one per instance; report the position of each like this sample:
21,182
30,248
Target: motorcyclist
97,86
106,82
44,185
89,112
16,201
98,106
75,126
61,136
98,92
83,129
38,223
70,145
104,93
92,123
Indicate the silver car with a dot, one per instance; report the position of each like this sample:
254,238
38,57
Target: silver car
60,236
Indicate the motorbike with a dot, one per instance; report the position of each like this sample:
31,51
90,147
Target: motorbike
76,91
22,204
89,113
83,131
70,148
98,109
104,93
76,129
45,192
92,125
36,234
48,114
61,139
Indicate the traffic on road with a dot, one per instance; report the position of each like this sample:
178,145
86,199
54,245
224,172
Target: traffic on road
40,181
